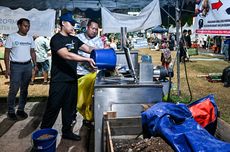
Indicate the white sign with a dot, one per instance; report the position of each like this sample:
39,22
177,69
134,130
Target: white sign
212,17
41,22
150,16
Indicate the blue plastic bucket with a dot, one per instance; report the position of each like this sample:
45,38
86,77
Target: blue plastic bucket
104,58
44,140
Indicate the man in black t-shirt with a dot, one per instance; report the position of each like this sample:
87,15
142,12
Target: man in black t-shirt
63,83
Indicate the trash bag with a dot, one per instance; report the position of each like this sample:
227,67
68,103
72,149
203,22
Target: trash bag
205,112
175,124
85,93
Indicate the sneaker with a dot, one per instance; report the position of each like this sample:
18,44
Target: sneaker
22,114
71,136
12,116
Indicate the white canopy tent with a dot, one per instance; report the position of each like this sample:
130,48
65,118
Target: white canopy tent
187,27
81,4
172,29
149,17
41,22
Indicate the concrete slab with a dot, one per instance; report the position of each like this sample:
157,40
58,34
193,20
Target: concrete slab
15,136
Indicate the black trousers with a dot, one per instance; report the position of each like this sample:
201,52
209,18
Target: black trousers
182,54
62,95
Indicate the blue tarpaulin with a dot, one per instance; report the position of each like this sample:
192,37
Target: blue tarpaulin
175,124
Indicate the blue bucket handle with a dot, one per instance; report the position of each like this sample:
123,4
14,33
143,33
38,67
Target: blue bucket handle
42,148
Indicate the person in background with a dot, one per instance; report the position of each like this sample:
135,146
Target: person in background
188,39
63,82
1,41
104,40
205,43
91,38
226,48
19,50
165,55
42,49
113,44
217,40
182,46
172,42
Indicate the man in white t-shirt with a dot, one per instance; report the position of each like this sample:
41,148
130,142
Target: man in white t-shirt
90,38
19,50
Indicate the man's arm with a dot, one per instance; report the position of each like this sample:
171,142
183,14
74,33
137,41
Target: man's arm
64,53
7,62
33,56
86,48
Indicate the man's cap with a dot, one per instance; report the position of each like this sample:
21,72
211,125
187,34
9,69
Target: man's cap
68,17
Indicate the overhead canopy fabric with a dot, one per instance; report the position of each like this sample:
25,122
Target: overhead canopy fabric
81,4
72,4
149,17
41,22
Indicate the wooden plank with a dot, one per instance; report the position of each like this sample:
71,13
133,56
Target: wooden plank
223,130
126,130
125,126
110,115
110,142
128,121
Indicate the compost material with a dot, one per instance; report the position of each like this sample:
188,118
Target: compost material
154,144
45,136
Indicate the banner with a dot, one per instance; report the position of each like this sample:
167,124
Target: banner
212,17
150,16
41,22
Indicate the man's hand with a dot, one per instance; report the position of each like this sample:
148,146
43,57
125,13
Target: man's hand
7,73
92,63
35,68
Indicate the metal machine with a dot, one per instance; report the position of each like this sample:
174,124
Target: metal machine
125,92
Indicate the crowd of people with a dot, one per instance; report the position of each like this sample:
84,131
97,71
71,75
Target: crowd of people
20,58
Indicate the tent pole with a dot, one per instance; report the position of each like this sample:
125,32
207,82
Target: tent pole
177,46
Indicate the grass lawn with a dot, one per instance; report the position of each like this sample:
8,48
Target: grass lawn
200,87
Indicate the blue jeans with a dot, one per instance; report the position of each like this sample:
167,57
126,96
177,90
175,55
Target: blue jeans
20,76
43,66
